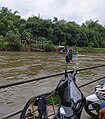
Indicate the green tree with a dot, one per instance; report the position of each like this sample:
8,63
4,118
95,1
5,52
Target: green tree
13,41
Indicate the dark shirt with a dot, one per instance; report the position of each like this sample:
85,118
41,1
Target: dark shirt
42,104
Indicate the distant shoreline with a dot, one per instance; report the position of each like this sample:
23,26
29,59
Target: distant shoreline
79,49
90,50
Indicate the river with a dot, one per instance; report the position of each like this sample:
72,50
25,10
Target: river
15,66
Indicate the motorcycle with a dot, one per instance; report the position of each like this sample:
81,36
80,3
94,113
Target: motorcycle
72,99
93,101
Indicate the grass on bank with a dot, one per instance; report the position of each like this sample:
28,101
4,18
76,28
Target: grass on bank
90,50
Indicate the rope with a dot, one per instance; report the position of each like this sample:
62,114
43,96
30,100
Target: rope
91,67
11,114
91,82
45,77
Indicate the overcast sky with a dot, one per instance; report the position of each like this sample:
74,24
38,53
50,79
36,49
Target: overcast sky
69,10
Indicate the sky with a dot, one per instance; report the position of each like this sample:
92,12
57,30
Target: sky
69,10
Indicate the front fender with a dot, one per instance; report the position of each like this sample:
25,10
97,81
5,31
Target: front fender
92,98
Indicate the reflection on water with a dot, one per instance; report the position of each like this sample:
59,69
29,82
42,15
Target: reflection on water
22,66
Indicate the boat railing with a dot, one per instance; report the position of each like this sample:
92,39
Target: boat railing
45,77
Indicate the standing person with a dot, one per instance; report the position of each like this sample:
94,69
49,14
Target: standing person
42,107
69,55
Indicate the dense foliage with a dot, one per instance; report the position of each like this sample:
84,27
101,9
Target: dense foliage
36,33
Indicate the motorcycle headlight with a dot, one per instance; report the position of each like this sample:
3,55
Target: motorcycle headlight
62,110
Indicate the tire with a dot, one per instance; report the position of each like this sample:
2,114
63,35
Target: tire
92,109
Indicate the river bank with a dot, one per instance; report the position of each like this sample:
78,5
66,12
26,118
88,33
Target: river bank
79,49
90,50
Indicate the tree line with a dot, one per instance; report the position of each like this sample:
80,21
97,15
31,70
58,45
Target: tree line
18,34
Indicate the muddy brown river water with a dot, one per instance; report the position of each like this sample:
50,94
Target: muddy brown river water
15,66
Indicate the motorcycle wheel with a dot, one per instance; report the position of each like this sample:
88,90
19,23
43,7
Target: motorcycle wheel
92,109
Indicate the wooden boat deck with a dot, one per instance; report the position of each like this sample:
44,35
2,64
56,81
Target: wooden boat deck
83,116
